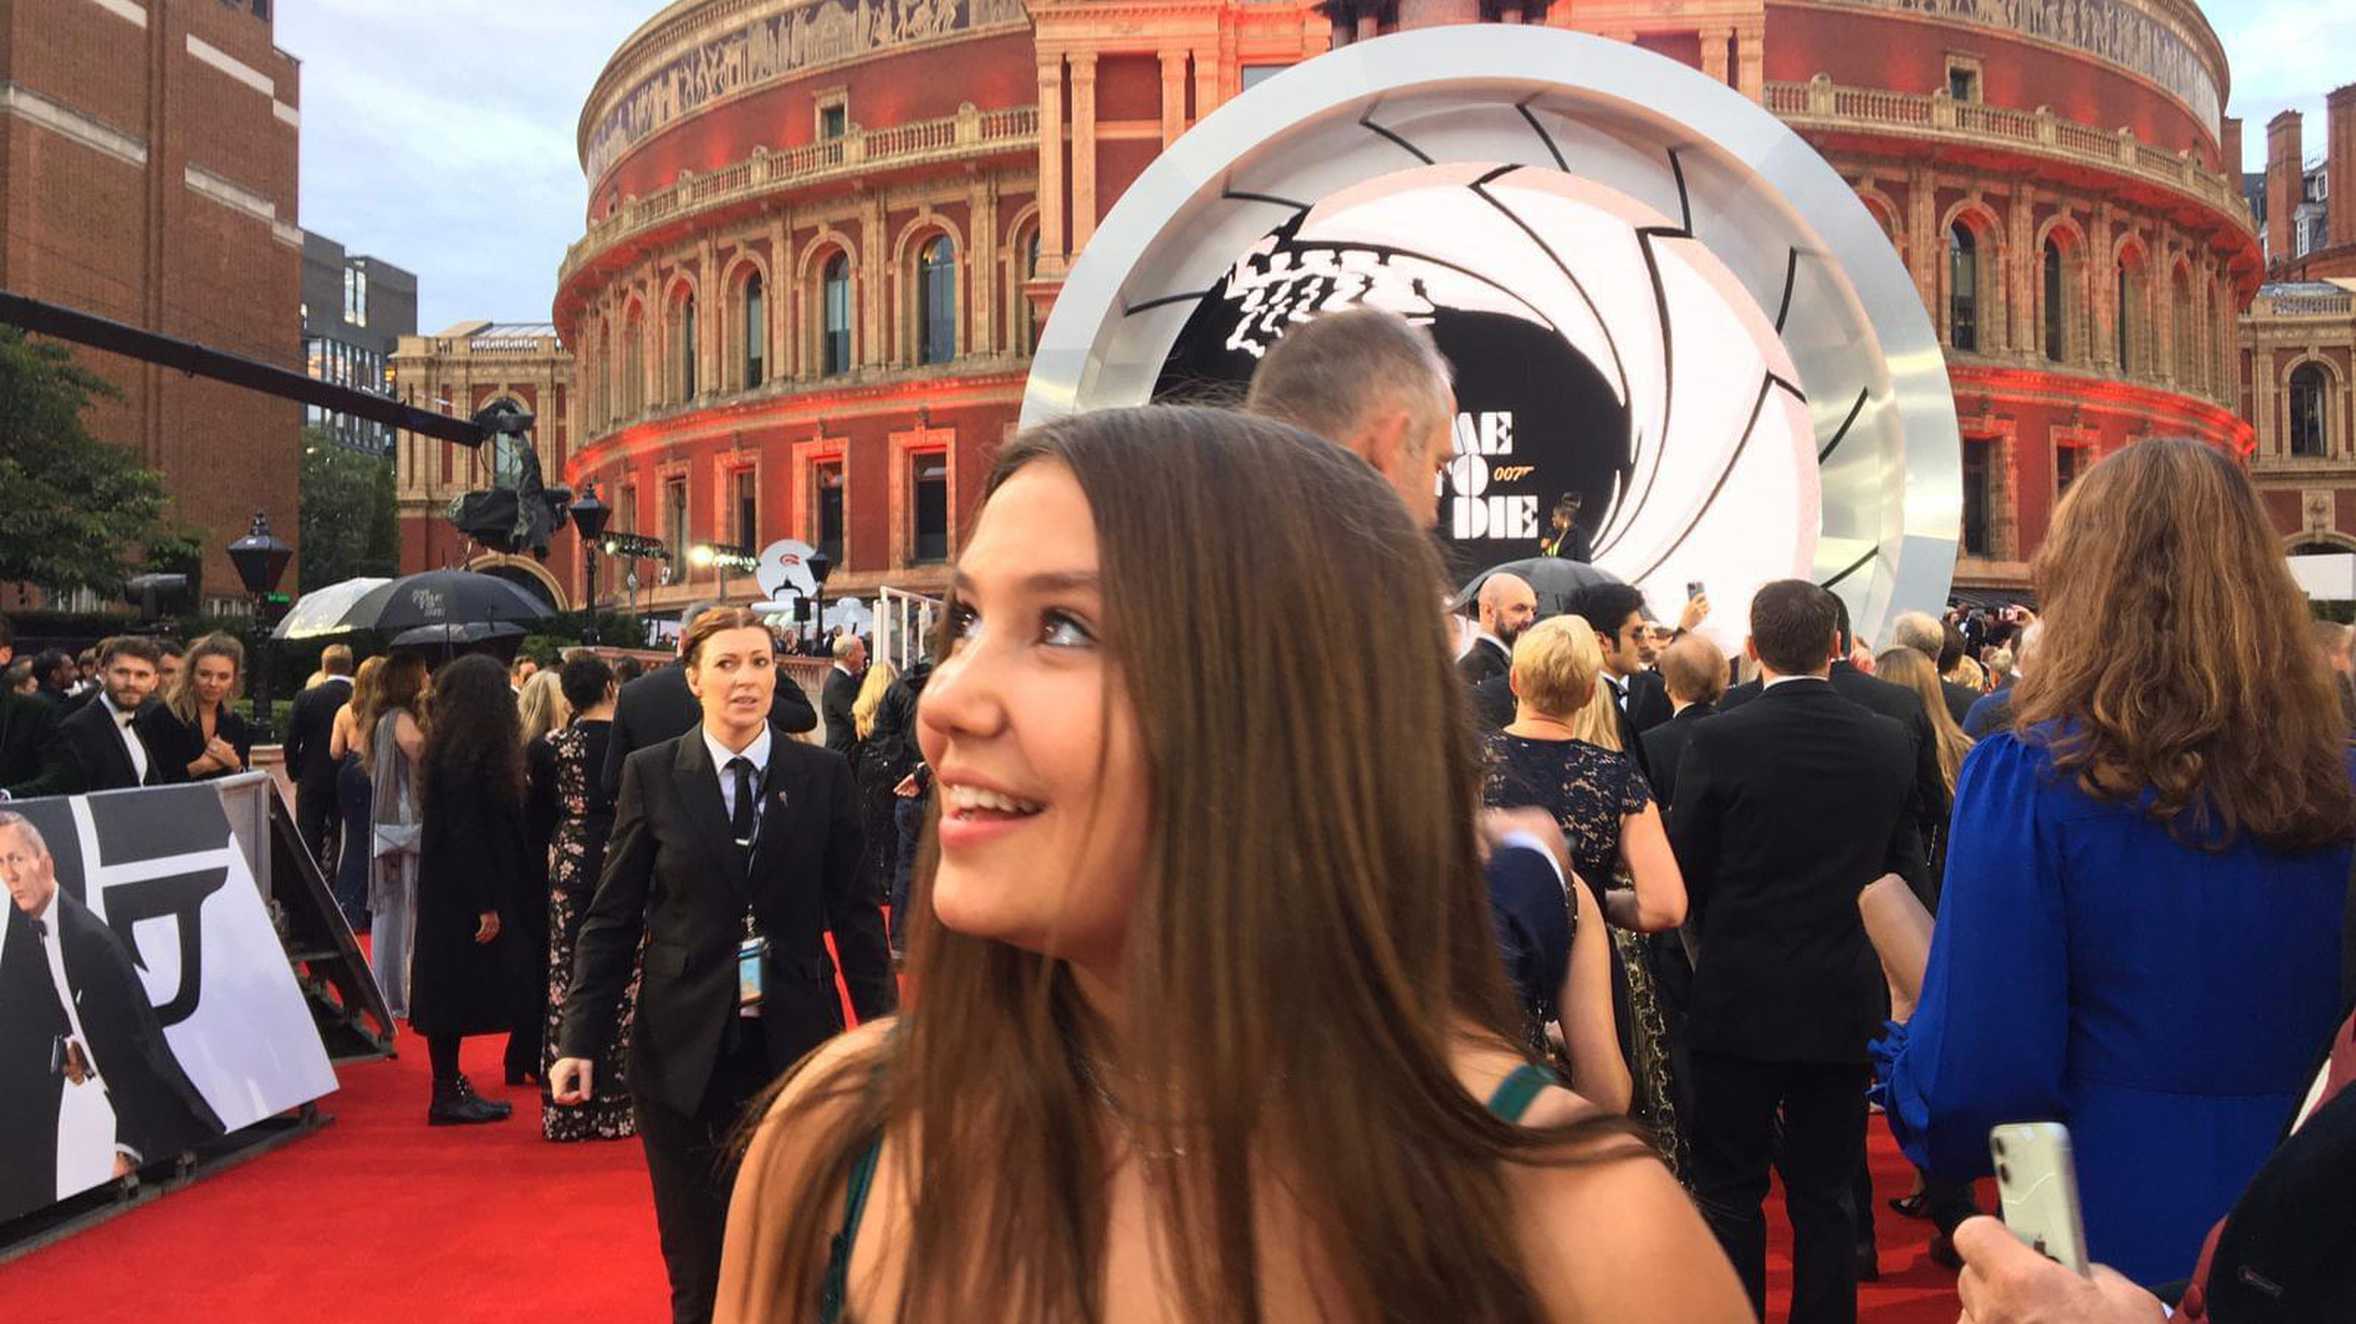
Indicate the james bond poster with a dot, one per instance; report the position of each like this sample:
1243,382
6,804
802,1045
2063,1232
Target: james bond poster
146,1004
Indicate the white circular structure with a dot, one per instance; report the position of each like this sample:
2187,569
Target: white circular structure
1655,296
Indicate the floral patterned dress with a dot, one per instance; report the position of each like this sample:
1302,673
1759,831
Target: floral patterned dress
571,814
1588,791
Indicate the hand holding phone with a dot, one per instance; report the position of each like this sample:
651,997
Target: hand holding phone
2037,1181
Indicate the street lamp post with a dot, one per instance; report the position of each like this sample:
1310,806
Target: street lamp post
821,565
260,560
589,516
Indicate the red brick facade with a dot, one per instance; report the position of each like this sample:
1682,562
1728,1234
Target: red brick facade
147,174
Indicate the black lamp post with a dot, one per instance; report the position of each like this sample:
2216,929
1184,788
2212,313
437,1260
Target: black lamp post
261,560
589,517
821,565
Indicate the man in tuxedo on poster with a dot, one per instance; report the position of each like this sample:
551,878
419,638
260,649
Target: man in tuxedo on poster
89,1087
735,851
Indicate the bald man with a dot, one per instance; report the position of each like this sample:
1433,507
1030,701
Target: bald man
1373,383
1507,607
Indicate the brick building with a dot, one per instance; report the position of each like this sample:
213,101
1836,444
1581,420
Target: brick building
459,372
2307,237
821,236
147,175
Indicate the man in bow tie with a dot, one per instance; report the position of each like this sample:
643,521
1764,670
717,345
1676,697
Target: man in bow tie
105,745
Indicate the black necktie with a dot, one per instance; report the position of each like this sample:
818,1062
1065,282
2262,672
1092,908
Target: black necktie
740,821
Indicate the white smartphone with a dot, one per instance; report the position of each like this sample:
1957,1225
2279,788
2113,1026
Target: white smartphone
2037,1180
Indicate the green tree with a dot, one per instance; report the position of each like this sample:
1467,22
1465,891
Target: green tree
75,512
348,526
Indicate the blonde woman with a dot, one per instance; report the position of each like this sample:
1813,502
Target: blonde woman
353,795
213,740
1549,758
541,706
1967,673
1908,667
878,860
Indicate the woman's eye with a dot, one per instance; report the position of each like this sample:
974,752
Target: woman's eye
962,626
1062,630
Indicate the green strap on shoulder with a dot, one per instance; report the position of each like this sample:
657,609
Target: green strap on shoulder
1515,1092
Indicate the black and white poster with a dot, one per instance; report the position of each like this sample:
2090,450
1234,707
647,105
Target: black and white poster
146,1004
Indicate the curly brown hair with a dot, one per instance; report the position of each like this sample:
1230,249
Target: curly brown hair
2176,657
475,738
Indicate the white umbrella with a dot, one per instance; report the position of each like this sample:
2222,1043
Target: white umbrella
321,611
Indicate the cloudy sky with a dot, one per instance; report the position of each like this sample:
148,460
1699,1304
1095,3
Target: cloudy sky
438,134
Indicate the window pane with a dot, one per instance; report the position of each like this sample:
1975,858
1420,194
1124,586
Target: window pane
937,304
837,348
748,511
830,511
1963,288
929,507
2307,435
687,348
1975,497
756,332
2053,301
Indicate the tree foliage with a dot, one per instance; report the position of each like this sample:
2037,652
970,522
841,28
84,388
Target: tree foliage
348,526
75,511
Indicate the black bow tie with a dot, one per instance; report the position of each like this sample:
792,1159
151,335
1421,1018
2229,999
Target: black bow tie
123,719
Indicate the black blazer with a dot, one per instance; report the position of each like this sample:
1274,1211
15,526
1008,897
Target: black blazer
158,1111
837,699
87,755
1485,660
28,722
1786,808
1929,806
658,705
310,730
1960,699
1648,701
674,873
165,730
1664,745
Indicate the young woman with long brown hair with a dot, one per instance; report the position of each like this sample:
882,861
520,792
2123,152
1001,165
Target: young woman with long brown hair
2140,929
1209,1020
214,741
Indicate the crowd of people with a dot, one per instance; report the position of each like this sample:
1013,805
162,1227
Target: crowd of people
1489,974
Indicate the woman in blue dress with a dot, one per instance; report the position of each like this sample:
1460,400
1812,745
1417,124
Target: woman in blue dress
2140,934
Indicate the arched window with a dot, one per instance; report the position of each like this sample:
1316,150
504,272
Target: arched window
835,294
1026,315
936,302
756,332
1963,287
687,348
2130,322
2307,416
2186,329
634,364
2056,342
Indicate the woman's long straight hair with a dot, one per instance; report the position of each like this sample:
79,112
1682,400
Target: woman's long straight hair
2177,656
1913,669
182,700
1310,944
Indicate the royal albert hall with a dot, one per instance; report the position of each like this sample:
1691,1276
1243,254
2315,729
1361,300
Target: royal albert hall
823,234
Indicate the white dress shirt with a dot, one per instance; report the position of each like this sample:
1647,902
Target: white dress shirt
1772,681
86,1145
130,738
758,752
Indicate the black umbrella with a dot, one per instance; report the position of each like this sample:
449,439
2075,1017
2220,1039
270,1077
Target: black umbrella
473,632
1553,579
442,598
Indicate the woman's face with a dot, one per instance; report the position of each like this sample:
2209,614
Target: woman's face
1035,747
214,675
734,677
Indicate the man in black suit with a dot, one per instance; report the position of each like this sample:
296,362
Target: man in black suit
1927,634
1786,808
74,1015
1694,673
728,839
106,744
1929,803
841,693
310,729
27,722
658,706
1507,606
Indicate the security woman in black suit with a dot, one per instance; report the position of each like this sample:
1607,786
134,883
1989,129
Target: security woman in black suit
735,850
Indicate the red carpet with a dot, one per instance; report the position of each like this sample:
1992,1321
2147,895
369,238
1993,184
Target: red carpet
382,1218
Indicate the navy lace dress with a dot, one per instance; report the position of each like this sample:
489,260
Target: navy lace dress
1586,789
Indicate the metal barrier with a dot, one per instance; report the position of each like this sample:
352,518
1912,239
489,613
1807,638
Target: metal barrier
904,624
